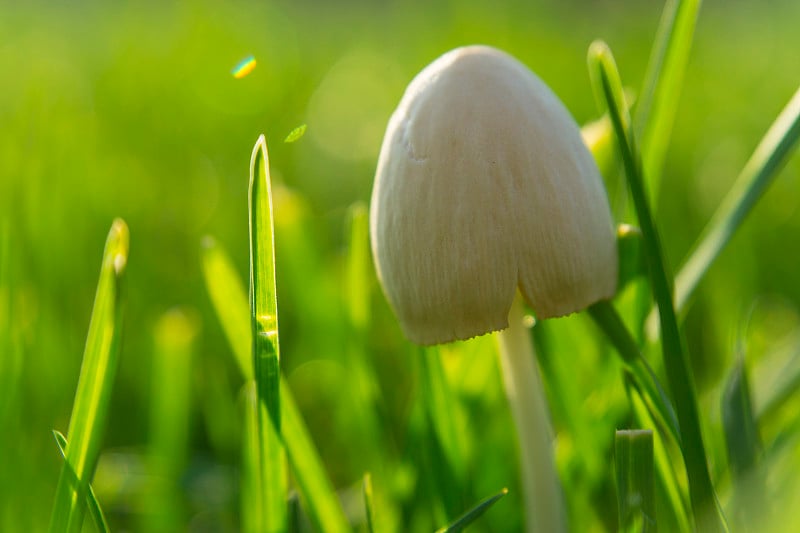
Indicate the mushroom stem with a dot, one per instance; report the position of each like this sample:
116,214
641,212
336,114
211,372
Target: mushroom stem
542,491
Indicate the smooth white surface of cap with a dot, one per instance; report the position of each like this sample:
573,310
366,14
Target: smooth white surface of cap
483,187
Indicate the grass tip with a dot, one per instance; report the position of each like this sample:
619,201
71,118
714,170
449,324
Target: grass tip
599,50
259,150
119,242
627,230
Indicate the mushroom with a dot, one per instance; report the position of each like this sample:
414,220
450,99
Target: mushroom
485,190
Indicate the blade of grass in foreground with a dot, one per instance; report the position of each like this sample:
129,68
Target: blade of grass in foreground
229,301
473,514
756,176
264,336
253,519
658,102
636,500
674,515
94,387
368,505
95,511
701,491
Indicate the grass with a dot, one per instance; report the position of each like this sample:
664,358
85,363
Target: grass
132,111
92,398
676,361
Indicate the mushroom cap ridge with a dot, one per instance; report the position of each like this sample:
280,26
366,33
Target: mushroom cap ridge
484,186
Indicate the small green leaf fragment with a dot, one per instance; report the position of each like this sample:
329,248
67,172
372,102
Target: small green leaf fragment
296,133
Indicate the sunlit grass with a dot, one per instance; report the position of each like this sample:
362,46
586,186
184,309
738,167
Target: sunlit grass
93,396
156,127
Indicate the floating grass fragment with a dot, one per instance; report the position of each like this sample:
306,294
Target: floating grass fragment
296,133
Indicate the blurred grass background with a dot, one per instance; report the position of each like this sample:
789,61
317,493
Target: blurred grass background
129,109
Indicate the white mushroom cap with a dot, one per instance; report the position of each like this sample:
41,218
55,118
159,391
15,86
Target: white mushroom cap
484,186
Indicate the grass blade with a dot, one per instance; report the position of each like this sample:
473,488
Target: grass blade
315,488
658,102
606,317
748,504
368,502
631,259
779,379
264,336
230,304
701,491
95,511
473,514
738,421
363,391
228,297
635,480
358,267
672,510
93,395
441,407
252,512
756,176
170,412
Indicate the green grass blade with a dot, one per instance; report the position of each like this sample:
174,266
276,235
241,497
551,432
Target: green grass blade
779,382
318,495
369,508
264,335
636,501
10,354
631,259
756,176
363,391
672,510
473,514
359,263
607,318
738,421
441,408
252,485
315,488
701,490
228,297
95,511
743,444
93,395
658,102
170,412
